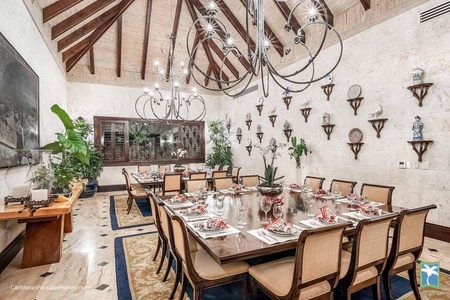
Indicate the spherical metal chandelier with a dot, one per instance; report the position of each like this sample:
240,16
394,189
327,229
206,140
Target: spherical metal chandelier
295,78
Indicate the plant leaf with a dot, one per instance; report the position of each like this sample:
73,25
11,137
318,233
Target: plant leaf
63,116
55,147
74,142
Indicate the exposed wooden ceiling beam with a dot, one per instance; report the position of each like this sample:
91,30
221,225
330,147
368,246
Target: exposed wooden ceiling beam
86,28
365,4
208,72
78,17
270,34
119,46
176,23
285,11
56,8
148,16
221,56
82,47
91,61
322,13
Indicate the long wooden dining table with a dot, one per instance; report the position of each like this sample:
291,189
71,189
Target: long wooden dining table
243,245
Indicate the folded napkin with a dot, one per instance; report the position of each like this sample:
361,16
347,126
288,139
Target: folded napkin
326,215
320,192
277,200
215,223
279,225
178,199
294,186
235,187
371,210
197,209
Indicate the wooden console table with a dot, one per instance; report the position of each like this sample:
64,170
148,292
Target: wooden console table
44,229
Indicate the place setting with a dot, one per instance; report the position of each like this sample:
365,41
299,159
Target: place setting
324,218
366,211
212,227
195,212
178,201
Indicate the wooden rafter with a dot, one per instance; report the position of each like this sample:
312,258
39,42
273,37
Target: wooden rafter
285,11
57,8
221,56
269,33
176,23
82,47
365,4
119,46
208,72
91,61
322,13
78,17
148,16
86,28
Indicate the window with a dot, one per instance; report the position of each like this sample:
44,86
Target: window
128,141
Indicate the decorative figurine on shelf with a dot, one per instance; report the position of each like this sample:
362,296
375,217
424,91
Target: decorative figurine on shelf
376,111
326,119
248,117
228,123
273,110
306,102
287,125
286,92
417,129
417,76
258,128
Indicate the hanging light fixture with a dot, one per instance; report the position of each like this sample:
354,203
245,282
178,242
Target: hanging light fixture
295,78
175,105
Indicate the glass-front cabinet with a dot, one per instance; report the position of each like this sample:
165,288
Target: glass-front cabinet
135,141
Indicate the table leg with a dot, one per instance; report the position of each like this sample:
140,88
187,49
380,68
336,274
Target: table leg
68,227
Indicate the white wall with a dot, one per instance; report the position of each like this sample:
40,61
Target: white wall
381,61
19,29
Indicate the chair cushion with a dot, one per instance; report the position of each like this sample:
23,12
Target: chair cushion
362,275
209,269
404,259
139,194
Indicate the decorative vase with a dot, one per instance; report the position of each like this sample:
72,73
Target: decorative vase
298,163
417,76
326,119
179,169
270,190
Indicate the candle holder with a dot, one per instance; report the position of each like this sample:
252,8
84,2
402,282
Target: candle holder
249,123
305,113
287,134
327,89
356,147
239,137
378,125
15,200
259,107
355,103
328,129
423,146
287,100
423,90
260,136
249,150
272,119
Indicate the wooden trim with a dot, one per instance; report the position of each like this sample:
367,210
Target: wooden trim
111,188
79,17
148,17
119,46
57,8
437,232
91,61
13,248
176,23
365,4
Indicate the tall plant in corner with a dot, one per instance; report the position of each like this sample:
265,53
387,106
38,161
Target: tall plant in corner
221,152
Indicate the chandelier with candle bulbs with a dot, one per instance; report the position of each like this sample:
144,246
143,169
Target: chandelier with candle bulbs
295,78
175,105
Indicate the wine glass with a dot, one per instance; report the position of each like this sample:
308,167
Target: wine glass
310,200
220,204
242,205
265,204
239,217
277,210
337,190
307,186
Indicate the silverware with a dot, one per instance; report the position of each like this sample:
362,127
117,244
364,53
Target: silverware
269,236
214,233
263,236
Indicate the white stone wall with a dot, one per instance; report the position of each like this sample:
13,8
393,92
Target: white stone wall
380,60
20,30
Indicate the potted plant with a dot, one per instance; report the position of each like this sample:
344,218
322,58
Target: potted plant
270,187
221,154
297,150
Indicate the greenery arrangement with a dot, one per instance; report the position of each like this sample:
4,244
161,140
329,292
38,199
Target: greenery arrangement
297,150
270,153
221,152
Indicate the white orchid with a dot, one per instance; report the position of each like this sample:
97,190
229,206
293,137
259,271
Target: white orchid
430,272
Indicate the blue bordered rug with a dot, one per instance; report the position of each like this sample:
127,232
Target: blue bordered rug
139,215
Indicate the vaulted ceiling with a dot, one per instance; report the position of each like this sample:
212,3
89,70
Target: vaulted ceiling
117,41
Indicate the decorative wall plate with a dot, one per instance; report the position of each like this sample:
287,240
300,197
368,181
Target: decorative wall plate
355,135
354,91
248,143
328,79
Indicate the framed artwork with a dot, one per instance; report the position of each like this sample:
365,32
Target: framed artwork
19,108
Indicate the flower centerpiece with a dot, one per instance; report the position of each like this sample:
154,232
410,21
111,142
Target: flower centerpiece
179,154
297,150
270,187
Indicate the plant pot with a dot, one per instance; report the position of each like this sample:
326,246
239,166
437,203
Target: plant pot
270,190
179,169
91,188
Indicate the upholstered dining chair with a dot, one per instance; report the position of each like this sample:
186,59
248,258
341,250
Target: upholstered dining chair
165,226
163,168
172,184
407,245
143,169
312,274
134,191
378,193
250,180
222,183
315,182
347,187
362,267
216,168
219,174
192,185
197,175
235,173
199,268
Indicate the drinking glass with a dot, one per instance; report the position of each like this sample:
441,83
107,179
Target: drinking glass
220,204
307,186
310,199
277,210
239,217
337,190
242,205
265,204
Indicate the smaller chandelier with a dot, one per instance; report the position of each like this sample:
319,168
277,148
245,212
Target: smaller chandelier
175,105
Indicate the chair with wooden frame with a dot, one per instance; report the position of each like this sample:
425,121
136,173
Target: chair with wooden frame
347,187
216,168
172,184
134,191
197,175
315,182
363,266
200,268
235,173
378,193
407,245
250,180
192,185
143,169
219,174
222,183
314,271
163,168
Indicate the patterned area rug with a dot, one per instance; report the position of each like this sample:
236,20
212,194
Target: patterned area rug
139,215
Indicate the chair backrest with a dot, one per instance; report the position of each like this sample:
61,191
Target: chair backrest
347,187
197,175
172,183
127,181
143,169
216,168
163,168
194,184
315,182
219,174
222,183
317,258
250,180
235,171
154,201
378,193
164,222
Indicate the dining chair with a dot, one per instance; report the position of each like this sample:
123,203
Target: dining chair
199,268
222,183
162,239
407,245
314,271
250,180
192,185
235,173
315,182
216,168
197,175
363,266
347,187
134,191
219,174
378,193
172,184
163,168
143,169
170,250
